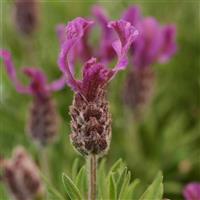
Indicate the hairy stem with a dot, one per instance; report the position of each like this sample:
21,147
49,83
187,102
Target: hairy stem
92,173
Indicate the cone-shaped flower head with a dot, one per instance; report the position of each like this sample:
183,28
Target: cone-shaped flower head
43,118
192,191
91,121
21,176
26,16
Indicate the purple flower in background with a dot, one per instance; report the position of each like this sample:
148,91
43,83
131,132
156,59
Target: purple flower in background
22,176
43,117
91,121
192,191
105,51
132,15
154,44
26,16
38,86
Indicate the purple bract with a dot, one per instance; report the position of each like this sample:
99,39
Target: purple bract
38,85
95,74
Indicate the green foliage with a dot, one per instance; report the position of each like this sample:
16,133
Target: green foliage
70,187
116,184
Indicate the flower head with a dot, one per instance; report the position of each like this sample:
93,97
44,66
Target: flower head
192,191
91,120
43,118
95,74
21,176
38,86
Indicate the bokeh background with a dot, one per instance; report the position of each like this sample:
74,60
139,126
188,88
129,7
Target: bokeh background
168,138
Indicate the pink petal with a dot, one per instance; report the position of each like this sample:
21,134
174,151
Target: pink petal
132,15
58,84
127,34
169,46
106,51
10,68
60,30
192,191
74,32
38,83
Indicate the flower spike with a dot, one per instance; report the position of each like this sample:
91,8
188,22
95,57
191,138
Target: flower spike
91,120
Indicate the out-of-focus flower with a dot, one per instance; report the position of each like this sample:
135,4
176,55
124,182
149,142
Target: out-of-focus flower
43,119
106,52
91,121
155,43
192,191
138,90
21,176
26,16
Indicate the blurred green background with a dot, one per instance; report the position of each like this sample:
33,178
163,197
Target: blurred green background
169,136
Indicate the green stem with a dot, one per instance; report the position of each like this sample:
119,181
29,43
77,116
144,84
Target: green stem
92,172
44,162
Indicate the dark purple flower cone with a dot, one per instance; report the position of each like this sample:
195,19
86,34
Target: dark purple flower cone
21,176
138,91
26,16
91,125
43,121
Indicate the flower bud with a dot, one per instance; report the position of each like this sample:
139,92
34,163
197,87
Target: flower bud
21,176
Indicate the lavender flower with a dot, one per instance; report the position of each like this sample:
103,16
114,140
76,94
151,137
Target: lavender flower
21,176
43,119
26,16
192,191
91,121
155,43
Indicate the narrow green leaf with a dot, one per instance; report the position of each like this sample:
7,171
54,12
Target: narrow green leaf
121,181
52,193
131,189
124,186
112,188
102,187
116,166
81,180
155,190
71,189
75,168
